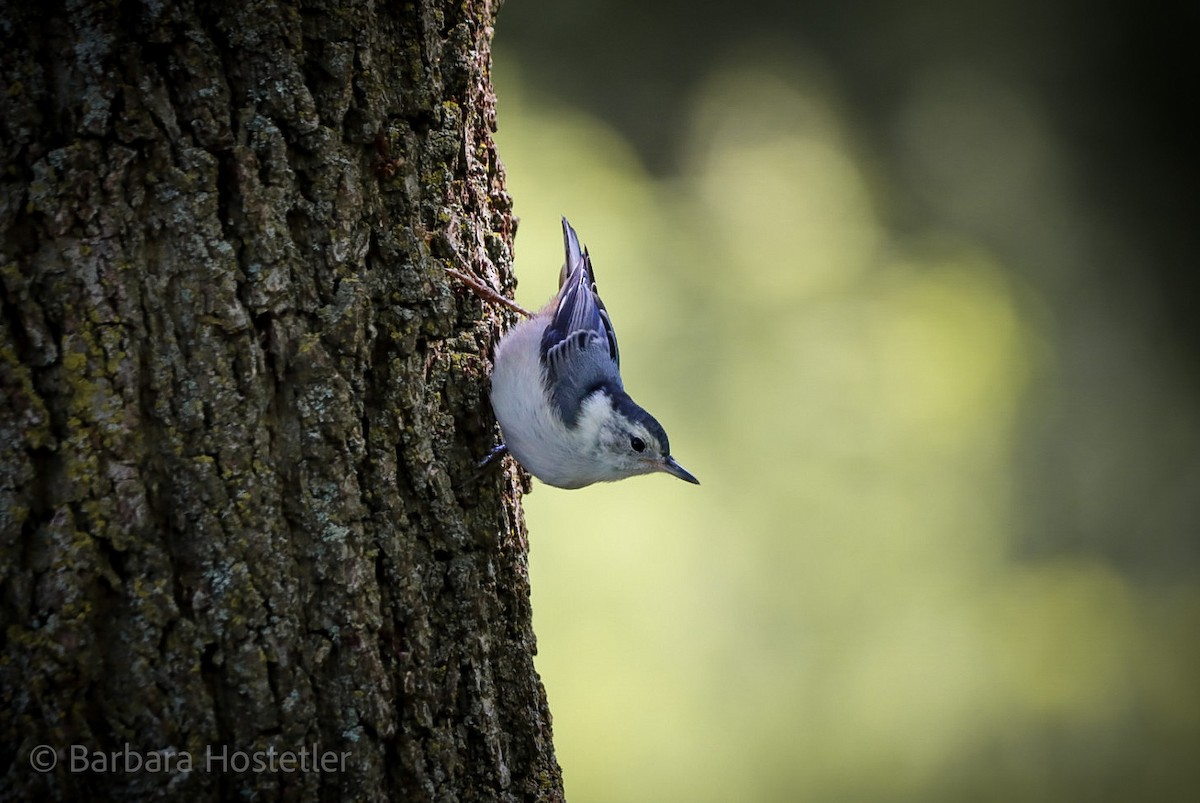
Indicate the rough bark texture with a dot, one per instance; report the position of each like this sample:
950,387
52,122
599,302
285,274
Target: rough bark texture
242,404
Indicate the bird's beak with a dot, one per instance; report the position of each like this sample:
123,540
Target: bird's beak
669,465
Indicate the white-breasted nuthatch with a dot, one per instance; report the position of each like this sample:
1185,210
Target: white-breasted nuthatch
557,391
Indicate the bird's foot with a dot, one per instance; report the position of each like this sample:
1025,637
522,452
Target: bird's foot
488,294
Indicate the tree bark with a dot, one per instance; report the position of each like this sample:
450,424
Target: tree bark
243,404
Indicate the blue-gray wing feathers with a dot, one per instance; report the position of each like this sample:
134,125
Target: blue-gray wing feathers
579,346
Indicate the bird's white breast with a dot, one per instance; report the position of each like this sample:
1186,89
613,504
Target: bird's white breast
534,434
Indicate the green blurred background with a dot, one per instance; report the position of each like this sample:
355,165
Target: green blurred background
910,285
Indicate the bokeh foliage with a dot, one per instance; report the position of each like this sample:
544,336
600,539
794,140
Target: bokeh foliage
944,545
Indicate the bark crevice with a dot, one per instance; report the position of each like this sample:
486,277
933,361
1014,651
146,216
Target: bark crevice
245,404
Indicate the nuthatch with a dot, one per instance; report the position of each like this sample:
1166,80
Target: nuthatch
557,390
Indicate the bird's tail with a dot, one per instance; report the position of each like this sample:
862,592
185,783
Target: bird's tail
576,256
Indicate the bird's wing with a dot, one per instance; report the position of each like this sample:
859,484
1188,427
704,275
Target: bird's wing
579,346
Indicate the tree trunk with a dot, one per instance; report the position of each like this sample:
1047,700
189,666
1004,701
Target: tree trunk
244,552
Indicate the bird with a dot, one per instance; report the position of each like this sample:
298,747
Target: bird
557,392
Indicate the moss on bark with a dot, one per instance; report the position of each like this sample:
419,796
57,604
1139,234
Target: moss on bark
243,404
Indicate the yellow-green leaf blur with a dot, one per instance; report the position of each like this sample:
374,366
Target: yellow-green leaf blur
846,608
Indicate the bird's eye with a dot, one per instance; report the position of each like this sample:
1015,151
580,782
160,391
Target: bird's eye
637,444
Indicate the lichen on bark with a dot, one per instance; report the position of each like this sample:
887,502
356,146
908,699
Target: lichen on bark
243,404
